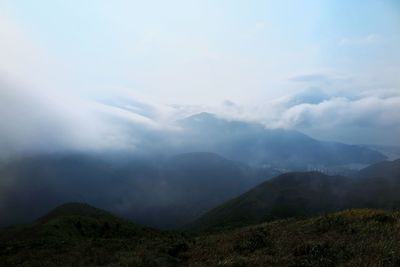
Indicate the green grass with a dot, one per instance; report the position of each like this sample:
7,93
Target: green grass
347,238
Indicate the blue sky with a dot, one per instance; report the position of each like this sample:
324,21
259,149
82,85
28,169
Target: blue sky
202,53
188,47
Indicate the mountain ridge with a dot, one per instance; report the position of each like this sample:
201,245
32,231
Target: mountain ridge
308,193
253,143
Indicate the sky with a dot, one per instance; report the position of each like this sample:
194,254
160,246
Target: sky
71,71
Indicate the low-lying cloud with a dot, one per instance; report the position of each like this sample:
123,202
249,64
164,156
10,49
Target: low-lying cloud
32,122
43,109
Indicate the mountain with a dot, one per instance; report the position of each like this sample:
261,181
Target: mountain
189,184
254,144
378,186
392,152
77,234
387,169
308,193
76,220
287,195
158,192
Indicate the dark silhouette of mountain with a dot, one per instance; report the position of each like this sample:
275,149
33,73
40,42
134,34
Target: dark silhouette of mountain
255,144
387,169
77,234
309,193
391,151
378,186
75,209
159,192
288,195
76,220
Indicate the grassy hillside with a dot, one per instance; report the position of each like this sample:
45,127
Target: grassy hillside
77,234
348,238
308,193
288,195
69,237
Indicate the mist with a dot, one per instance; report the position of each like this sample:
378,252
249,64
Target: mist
133,108
81,91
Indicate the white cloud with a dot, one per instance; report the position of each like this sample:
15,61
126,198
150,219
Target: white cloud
371,116
372,38
369,112
41,111
41,108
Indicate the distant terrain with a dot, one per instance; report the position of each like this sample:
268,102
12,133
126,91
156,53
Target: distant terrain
392,152
200,133
163,192
281,148
170,182
294,219
255,196
309,193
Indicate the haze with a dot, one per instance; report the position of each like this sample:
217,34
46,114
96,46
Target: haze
98,75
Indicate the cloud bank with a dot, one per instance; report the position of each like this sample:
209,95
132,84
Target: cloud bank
49,102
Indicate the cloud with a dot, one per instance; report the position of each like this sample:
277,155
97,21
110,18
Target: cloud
372,38
33,121
24,58
321,79
41,110
339,111
255,30
316,77
371,116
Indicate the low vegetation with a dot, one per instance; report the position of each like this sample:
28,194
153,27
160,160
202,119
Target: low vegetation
79,235
348,238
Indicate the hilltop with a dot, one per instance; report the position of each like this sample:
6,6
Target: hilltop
67,236
308,193
77,234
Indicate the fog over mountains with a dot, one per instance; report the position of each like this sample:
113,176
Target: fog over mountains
59,122
254,144
172,181
182,118
309,193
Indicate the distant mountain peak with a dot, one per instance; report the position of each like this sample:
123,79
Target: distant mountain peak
73,209
202,116
200,154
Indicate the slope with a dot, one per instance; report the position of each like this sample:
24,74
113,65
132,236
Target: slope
77,234
287,195
309,193
158,192
347,238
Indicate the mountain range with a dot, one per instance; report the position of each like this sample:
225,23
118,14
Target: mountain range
163,192
253,143
176,184
293,219
309,193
